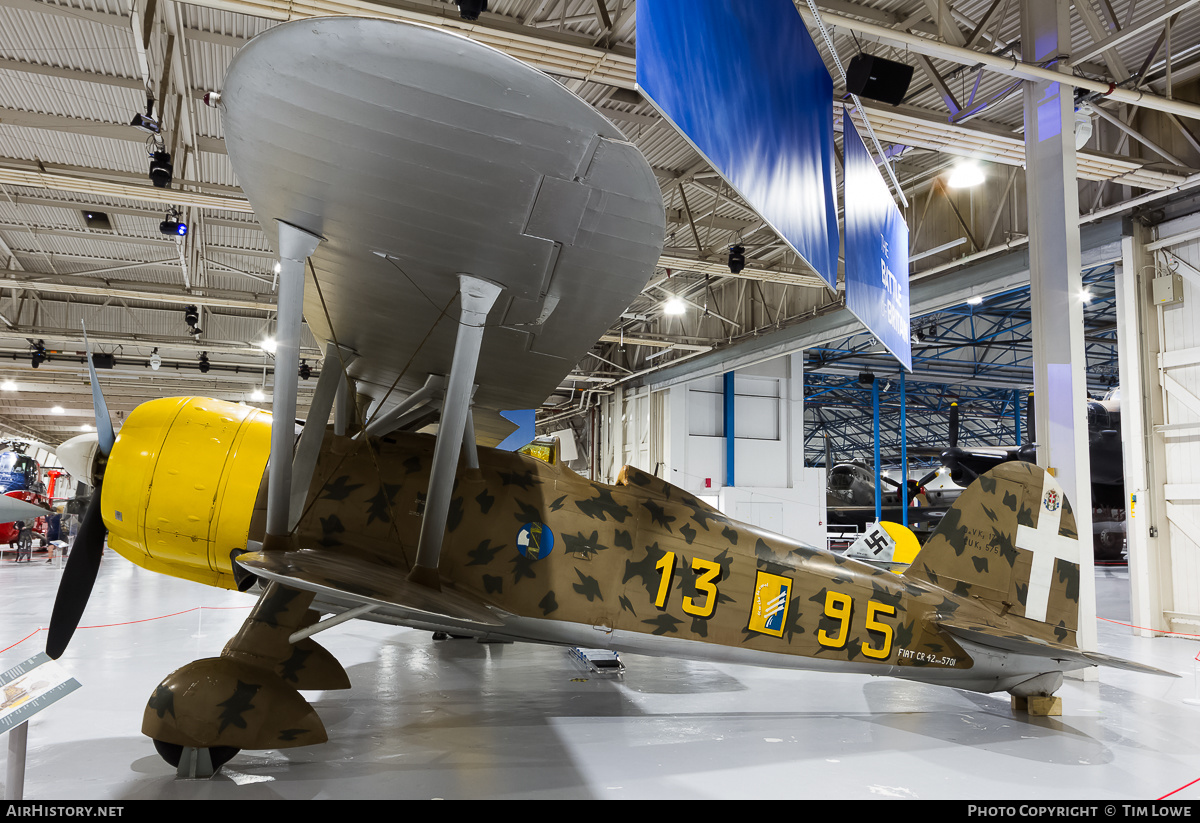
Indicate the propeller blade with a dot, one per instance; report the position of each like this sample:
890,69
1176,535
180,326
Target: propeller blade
953,425
828,454
104,429
83,563
927,479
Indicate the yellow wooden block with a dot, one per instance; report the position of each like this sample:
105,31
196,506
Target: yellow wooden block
1045,706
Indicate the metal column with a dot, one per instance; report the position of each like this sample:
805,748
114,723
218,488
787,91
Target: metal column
730,439
903,448
878,473
1055,282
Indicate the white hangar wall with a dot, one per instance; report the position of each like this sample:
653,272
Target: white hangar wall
1160,419
678,433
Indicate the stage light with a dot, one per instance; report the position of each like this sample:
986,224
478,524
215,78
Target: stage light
38,355
155,360
191,316
737,259
172,226
471,9
204,364
161,170
305,370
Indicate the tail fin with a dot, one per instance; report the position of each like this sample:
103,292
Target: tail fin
1010,541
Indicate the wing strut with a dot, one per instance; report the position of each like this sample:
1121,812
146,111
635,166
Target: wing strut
295,245
477,298
309,447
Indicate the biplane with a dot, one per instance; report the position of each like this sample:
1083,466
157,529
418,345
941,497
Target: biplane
458,229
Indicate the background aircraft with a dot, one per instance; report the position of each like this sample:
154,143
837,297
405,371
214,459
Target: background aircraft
21,479
1104,453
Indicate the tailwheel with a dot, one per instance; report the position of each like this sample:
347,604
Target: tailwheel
173,753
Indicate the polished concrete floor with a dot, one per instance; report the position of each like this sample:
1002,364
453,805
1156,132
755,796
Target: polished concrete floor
457,719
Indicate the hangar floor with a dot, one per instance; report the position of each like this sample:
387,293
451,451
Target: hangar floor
456,719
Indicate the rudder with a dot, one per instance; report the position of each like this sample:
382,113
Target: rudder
1010,540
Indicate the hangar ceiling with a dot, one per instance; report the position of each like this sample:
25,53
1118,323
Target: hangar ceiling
73,73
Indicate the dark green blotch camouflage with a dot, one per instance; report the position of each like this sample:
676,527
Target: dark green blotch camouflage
626,605
527,514
658,514
380,504
700,626
1022,592
273,604
980,563
412,464
1068,573
689,534
585,547
162,701
623,539
1010,501
1025,516
523,480
962,588
485,501
1061,632
603,506
493,584
290,734
330,526
557,504
237,705
548,604
484,553
646,569
339,489
522,567
987,484
455,515
290,669
730,534
664,624
587,586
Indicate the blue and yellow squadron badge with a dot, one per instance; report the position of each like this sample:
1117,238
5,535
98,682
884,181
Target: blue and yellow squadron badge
535,540
768,612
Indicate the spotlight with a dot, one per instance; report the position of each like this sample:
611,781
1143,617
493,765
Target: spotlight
305,370
471,9
737,259
146,122
866,378
257,395
161,169
191,316
204,365
974,301
155,360
965,175
38,356
173,226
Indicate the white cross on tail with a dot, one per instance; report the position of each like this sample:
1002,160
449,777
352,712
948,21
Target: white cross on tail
1047,545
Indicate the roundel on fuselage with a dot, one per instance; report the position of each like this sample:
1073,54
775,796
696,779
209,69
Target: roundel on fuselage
535,540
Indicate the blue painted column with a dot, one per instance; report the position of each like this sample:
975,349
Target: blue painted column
903,448
729,429
878,473
1017,414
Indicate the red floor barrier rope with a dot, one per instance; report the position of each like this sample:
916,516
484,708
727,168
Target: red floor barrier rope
132,622
1181,788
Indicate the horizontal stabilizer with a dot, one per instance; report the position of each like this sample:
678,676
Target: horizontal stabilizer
351,580
13,508
1004,640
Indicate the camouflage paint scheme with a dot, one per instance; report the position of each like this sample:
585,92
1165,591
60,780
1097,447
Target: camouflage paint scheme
957,616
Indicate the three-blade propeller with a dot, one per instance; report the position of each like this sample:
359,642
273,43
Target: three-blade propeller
83,563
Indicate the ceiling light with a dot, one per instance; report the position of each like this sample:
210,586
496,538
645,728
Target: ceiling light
155,360
737,259
257,395
1083,125
86,427
674,306
172,226
974,301
58,410
268,345
965,175
8,385
1085,296
161,169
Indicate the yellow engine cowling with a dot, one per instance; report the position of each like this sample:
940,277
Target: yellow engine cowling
180,486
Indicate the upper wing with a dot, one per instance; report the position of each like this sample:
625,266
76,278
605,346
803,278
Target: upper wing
418,154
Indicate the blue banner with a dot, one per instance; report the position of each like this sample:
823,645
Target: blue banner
743,82
876,250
